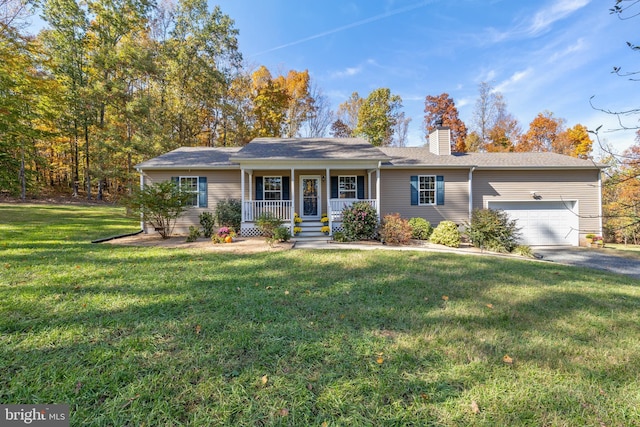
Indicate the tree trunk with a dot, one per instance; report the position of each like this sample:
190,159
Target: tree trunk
86,173
23,179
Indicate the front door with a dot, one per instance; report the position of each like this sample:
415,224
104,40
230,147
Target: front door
310,196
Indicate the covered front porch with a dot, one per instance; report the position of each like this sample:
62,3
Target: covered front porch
306,192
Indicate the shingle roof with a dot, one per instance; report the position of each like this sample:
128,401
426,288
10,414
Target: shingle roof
192,158
421,156
310,149
353,149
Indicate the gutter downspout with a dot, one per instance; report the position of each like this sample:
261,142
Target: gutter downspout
600,201
473,168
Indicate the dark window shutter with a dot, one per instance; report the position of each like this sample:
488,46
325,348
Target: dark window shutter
285,188
259,188
360,186
439,190
414,189
334,187
175,180
202,192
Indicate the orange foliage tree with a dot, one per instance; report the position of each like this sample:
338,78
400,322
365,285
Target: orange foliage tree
443,108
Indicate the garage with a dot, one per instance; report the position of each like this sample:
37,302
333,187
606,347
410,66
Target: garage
544,223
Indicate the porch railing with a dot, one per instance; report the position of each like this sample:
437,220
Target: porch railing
252,209
337,205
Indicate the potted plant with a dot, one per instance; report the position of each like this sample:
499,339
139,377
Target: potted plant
325,219
598,241
325,229
297,230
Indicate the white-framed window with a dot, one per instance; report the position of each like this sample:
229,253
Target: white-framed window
189,184
272,189
426,190
347,187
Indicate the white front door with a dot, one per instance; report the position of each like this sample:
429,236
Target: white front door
310,196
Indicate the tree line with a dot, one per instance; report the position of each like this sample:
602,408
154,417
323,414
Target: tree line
109,83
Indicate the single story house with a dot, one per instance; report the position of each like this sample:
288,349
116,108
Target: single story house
555,199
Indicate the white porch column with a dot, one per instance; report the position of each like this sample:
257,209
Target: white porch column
292,190
328,188
378,191
242,193
471,192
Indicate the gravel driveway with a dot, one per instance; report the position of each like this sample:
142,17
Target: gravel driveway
592,258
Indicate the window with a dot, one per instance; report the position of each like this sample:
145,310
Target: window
272,188
189,184
427,190
347,187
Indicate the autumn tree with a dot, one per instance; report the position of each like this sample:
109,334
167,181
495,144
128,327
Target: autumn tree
442,108
574,142
339,129
494,128
378,116
348,113
300,104
544,131
504,134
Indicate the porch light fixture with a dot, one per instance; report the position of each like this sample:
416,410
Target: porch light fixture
535,195
323,178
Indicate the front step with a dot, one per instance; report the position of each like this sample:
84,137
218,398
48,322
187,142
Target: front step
311,231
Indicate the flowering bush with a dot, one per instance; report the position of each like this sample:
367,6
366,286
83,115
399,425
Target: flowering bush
226,231
359,221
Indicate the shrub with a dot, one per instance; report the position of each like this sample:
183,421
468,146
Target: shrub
194,233
229,213
421,228
267,224
359,221
339,236
280,234
491,229
446,233
206,221
160,205
523,250
395,230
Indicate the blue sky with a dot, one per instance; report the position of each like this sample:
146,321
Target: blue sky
542,55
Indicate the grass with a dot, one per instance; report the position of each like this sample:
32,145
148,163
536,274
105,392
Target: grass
167,337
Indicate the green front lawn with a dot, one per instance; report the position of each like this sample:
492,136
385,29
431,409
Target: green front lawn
167,337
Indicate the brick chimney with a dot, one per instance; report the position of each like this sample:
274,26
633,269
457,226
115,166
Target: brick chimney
440,141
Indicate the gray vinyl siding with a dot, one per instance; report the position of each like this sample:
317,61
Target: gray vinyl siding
576,185
395,188
220,185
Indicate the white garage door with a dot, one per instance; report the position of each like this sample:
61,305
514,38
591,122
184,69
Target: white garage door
543,223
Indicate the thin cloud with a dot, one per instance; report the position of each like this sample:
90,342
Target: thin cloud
348,72
515,78
347,27
540,22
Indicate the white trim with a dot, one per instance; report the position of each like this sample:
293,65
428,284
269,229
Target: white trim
434,190
197,192
600,201
355,190
242,191
264,187
327,182
470,193
378,178
318,179
142,224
